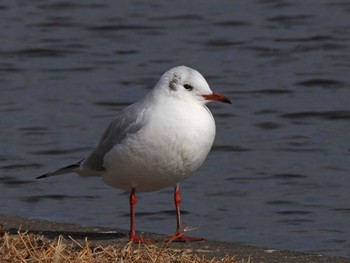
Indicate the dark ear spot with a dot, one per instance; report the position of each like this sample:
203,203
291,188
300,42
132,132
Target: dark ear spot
174,81
172,84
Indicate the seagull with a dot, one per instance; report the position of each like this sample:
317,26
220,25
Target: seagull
156,142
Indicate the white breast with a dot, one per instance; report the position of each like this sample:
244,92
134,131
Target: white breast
170,146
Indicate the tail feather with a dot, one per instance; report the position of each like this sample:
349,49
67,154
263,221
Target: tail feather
67,169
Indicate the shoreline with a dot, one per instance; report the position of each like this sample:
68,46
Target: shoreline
119,237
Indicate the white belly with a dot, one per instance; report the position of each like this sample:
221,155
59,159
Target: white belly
165,151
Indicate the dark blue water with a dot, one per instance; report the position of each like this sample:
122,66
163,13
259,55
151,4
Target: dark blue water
278,174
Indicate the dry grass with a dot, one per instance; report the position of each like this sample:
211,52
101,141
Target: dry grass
26,247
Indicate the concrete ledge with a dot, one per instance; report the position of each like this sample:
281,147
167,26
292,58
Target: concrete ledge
119,237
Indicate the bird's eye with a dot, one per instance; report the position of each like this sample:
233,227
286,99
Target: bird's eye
188,87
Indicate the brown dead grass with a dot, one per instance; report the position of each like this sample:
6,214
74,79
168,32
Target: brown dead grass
26,247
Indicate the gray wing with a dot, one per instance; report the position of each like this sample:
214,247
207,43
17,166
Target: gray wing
124,124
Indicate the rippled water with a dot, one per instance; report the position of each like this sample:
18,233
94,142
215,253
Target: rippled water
278,175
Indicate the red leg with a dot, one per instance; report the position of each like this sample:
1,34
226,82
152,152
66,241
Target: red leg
132,234
179,235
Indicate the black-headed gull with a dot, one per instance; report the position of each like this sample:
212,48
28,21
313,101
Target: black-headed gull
156,142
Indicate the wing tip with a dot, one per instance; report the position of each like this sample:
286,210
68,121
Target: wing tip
41,176
63,170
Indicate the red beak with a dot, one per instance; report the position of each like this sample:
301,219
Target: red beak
217,97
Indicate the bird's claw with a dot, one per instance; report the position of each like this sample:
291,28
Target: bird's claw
182,238
136,240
